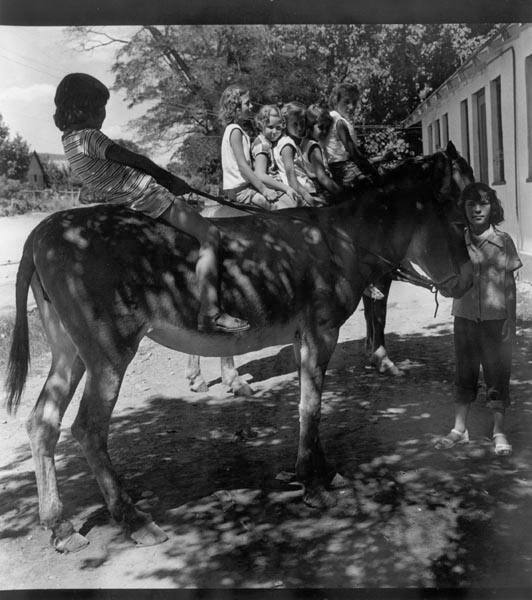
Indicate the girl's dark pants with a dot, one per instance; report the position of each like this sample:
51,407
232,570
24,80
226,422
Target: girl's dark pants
481,343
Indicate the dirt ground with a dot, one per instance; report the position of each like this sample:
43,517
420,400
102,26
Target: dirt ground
207,466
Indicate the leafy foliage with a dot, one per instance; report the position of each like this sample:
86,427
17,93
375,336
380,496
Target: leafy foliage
14,154
180,71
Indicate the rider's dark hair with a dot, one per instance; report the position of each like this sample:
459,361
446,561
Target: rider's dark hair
475,191
77,97
342,90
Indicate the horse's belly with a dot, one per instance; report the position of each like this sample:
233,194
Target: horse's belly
222,344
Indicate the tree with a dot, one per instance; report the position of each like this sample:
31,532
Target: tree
182,70
14,154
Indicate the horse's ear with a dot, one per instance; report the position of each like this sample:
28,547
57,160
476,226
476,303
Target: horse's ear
451,151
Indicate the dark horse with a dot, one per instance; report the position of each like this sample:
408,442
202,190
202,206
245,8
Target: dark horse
104,277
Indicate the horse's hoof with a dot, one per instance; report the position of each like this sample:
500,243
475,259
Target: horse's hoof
72,543
199,387
149,534
387,367
242,389
319,498
338,482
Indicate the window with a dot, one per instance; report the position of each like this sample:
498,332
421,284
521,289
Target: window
437,135
430,139
480,138
445,130
496,131
528,76
464,127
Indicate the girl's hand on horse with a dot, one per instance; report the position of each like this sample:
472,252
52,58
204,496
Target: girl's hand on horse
270,195
292,194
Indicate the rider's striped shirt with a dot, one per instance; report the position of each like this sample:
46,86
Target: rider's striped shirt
85,150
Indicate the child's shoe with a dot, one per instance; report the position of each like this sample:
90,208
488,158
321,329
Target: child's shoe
453,438
501,446
221,322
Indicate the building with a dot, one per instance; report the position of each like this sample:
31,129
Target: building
485,108
46,170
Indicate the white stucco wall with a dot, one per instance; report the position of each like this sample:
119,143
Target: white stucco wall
496,61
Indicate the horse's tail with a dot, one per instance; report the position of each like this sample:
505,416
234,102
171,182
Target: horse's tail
19,355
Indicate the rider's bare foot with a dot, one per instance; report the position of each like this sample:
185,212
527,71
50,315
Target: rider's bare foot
221,322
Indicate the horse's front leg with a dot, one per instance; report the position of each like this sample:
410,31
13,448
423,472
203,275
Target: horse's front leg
375,314
232,379
313,349
196,383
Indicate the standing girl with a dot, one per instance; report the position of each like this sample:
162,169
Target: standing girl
484,318
132,180
240,183
270,124
318,124
346,162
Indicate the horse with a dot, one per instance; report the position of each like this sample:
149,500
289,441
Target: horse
104,277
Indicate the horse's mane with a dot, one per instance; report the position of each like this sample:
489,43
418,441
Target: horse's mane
412,177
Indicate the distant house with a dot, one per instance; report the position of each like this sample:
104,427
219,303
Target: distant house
49,170
485,108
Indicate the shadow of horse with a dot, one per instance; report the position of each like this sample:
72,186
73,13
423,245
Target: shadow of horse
409,515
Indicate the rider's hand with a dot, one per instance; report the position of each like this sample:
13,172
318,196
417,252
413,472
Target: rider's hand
308,200
270,195
177,186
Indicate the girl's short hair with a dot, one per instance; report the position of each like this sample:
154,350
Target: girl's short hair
292,108
231,101
77,97
474,191
342,90
262,118
316,113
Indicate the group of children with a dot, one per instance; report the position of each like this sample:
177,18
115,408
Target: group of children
301,157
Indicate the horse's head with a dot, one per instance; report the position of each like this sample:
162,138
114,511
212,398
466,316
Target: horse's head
437,245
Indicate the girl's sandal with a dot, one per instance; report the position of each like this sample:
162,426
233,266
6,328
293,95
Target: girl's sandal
453,438
501,447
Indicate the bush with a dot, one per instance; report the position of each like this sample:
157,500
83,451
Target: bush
17,199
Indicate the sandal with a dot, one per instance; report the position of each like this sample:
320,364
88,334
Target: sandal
501,446
453,438
221,322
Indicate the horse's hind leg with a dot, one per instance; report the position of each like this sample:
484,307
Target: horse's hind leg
313,350
44,425
232,379
196,383
91,429
375,315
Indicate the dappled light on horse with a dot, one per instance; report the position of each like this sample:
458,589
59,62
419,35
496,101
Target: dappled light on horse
104,278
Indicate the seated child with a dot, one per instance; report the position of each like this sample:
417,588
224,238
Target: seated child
271,126
132,180
287,154
240,183
318,123
346,162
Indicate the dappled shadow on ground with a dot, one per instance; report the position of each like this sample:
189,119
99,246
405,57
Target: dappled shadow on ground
409,515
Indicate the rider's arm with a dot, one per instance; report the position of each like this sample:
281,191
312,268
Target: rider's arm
261,168
287,156
316,160
126,157
245,170
352,149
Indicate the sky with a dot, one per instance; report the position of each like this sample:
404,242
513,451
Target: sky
33,60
